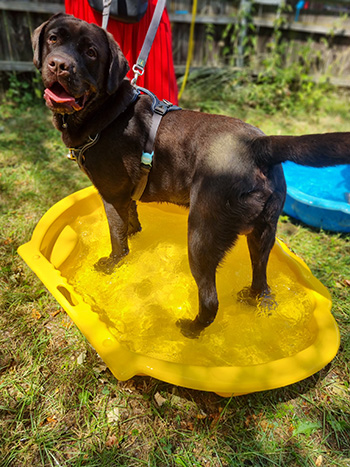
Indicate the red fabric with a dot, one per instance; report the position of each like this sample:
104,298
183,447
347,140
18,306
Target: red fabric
159,76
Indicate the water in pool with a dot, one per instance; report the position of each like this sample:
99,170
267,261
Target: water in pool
152,288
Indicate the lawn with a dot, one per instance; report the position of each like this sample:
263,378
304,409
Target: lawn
61,406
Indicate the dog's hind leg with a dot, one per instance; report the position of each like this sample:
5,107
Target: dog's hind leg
206,249
260,242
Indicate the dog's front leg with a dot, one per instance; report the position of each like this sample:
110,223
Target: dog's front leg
134,225
118,222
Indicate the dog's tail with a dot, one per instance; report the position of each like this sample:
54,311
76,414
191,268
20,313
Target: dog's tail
319,150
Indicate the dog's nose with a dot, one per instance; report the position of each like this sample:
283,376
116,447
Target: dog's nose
58,65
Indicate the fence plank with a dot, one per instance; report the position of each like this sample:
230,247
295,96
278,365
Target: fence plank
33,7
10,65
304,26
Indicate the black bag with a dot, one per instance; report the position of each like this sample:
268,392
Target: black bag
126,11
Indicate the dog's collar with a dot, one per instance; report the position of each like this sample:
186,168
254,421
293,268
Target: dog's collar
77,154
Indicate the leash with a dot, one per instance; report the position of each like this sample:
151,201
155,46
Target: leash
105,13
139,67
140,64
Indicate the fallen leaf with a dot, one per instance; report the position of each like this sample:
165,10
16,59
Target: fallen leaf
52,420
319,461
201,415
176,400
112,441
129,386
265,425
55,313
182,403
340,390
216,418
81,358
36,314
113,415
100,368
159,399
66,324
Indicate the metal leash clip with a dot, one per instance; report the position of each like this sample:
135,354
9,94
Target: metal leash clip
139,71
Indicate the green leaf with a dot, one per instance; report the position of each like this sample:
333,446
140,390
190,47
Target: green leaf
307,428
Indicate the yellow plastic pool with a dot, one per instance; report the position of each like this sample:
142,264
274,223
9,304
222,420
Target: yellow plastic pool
129,316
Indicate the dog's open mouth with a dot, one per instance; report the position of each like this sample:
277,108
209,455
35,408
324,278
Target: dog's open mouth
58,99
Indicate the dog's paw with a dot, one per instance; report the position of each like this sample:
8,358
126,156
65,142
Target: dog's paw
105,265
190,328
134,228
247,297
265,302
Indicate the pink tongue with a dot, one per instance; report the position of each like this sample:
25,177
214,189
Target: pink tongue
60,96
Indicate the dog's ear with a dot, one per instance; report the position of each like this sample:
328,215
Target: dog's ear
37,44
118,65
37,40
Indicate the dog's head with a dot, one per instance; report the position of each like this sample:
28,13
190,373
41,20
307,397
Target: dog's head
79,62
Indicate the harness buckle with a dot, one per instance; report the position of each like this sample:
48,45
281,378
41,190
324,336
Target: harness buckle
71,155
162,107
146,160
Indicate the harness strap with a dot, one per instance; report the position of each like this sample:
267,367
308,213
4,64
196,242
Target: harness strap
159,108
147,157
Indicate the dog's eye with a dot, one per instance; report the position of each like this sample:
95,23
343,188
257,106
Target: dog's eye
91,52
53,38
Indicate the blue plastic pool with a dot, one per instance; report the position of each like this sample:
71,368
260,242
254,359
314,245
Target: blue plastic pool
319,197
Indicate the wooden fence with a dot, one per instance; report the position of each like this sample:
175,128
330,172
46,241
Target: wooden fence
322,20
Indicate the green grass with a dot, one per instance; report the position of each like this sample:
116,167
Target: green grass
61,406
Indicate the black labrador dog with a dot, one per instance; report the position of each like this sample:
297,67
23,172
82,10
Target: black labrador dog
225,171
